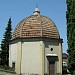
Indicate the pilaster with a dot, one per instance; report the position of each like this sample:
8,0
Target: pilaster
42,57
60,58
19,57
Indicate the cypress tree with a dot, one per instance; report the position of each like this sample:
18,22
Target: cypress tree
5,44
70,16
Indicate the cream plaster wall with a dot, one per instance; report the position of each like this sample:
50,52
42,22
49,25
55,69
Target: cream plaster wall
12,53
31,54
57,49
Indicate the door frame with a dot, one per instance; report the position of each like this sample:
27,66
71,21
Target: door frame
51,59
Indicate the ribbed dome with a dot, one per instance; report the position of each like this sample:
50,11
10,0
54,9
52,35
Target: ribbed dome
36,26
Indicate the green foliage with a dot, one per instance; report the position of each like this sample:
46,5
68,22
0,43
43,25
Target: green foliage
74,73
5,68
5,44
70,16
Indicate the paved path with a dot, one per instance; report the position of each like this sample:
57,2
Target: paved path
5,73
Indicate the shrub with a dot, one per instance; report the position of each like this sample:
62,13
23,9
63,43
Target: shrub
74,73
5,68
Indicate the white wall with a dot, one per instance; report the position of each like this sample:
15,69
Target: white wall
31,62
12,53
48,46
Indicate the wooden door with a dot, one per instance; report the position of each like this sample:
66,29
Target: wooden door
51,68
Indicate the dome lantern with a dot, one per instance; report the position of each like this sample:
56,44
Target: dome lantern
36,12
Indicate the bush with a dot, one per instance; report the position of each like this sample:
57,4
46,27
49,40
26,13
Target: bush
5,68
74,73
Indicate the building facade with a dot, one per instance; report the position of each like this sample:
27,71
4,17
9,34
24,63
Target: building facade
36,46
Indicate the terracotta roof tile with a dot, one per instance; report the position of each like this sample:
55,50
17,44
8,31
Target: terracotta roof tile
36,26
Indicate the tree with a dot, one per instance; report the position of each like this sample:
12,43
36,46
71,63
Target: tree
70,16
5,44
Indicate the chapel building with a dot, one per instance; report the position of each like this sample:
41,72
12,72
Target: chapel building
36,46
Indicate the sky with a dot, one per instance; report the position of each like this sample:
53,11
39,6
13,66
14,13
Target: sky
20,9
